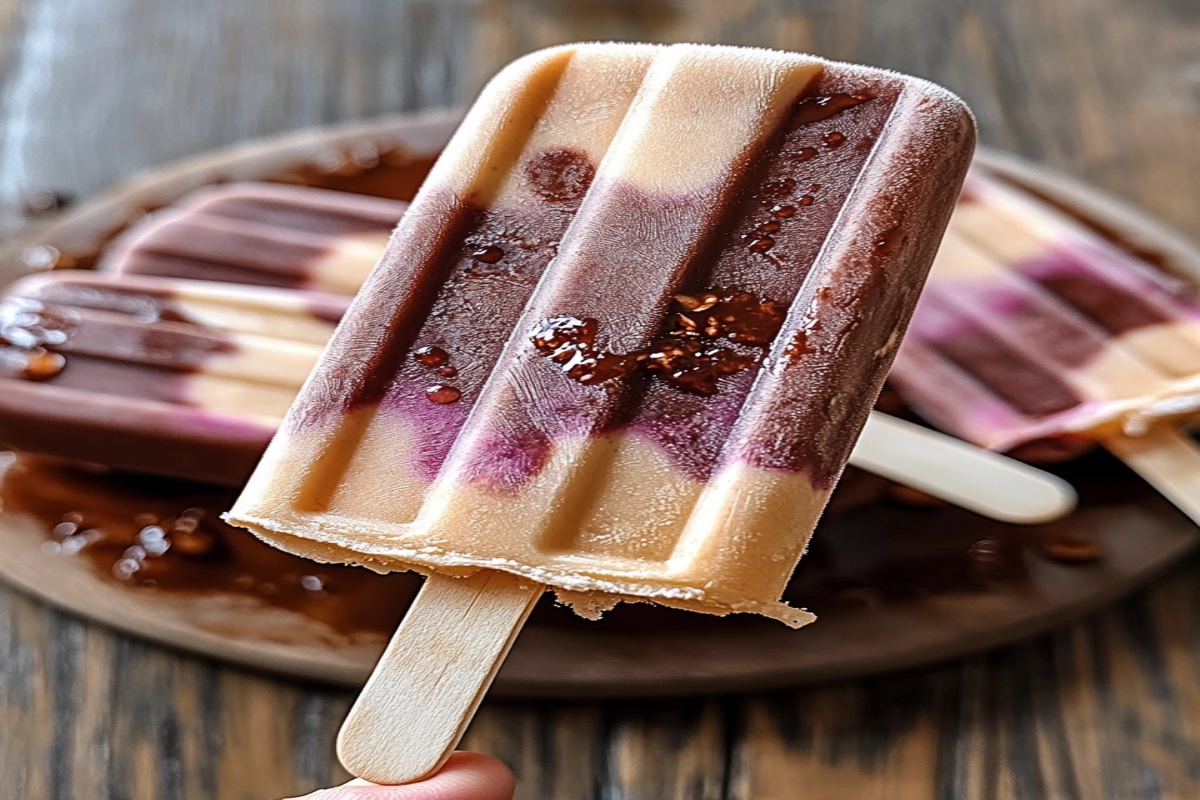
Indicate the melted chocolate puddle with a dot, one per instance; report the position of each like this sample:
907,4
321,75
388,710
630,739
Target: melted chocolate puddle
158,533
878,543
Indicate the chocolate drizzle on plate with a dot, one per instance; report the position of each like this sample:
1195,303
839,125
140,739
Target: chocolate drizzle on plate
161,535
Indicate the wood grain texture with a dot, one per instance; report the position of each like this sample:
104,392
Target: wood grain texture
1108,708
415,707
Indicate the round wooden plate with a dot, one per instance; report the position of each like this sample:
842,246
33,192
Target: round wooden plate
641,651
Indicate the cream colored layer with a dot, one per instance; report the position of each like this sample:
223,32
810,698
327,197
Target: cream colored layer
1171,347
978,221
278,315
1014,226
262,402
257,359
348,262
1017,219
728,545
378,455
571,97
701,109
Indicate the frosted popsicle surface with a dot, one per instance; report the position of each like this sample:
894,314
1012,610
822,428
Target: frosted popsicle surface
624,339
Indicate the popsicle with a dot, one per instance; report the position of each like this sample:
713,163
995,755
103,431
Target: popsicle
55,414
182,378
261,233
671,280
1034,329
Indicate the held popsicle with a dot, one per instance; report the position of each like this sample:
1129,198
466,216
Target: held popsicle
738,238
1036,333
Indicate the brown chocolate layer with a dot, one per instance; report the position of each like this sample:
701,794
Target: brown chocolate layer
459,284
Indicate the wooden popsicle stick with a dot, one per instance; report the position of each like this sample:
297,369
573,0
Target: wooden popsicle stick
961,473
414,708
1169,460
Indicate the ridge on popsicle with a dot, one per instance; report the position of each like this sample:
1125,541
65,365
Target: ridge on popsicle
615,185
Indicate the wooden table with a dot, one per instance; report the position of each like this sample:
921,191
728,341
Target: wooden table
1108,708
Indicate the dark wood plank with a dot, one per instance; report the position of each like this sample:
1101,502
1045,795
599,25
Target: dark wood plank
1108,708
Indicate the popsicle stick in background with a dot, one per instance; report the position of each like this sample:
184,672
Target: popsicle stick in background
961,473
424,691
1169,460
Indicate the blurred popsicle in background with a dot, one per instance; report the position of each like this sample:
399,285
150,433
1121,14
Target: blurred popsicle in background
1036,333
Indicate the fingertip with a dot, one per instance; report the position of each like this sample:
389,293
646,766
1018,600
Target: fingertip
480,777
465,776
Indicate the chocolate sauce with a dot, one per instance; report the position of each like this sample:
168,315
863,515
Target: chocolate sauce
441,394
834,139
823,107
488,254
39,364
430,356
688,357
156,534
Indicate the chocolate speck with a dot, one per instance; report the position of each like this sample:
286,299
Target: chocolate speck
488,254
42,364
780,188
560,175
441,395
430,356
